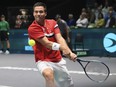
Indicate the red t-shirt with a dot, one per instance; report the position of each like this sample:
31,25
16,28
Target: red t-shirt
36,31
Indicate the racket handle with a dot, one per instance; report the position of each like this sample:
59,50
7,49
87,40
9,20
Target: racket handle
77,59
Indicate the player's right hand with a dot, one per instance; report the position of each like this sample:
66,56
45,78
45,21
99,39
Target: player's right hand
72,56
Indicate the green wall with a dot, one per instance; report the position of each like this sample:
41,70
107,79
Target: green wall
93,40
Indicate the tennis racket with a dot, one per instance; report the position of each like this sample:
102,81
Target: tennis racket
95,70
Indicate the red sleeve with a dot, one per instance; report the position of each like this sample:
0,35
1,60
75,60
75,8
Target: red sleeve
35,32
56,28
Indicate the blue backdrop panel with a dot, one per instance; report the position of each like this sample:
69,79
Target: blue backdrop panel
100,42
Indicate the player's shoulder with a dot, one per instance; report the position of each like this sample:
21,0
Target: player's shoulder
50,21
34,24
33,27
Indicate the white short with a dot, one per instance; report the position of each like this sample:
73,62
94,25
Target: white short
62,77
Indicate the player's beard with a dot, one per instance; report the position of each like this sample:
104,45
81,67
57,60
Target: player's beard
40,20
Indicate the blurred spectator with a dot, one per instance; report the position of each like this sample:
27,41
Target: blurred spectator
100,22
91,18
110,11
84,10
24,14
105,8
4,37
88,12
82,22
18,22
64,28
71,21
110,18
97,9
91,15
22,19
24,24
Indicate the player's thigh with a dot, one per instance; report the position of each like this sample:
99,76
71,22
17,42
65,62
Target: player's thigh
61,71
43,65
62,77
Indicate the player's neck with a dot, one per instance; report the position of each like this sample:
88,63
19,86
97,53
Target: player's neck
41,23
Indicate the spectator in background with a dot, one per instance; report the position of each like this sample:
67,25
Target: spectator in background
71,21
83,10
110,18
24,24
18,22
25,18
97,9
91,17
100,22
22,20
105,8
24,14
82,22
110,11
64,28
4,28
88,12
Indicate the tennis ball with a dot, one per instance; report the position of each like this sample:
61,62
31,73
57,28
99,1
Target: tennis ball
31,42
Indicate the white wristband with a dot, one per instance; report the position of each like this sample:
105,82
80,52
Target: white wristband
55,46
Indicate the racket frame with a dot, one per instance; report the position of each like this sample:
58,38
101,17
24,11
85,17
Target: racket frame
87,62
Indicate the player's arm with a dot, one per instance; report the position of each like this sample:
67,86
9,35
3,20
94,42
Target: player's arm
64,47
60,45
45,42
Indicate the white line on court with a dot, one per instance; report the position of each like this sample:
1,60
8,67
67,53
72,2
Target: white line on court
4,86
19,68
35,69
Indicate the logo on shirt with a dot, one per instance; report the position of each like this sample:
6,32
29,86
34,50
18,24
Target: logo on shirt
109,42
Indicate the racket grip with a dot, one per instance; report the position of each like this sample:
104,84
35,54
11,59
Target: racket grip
78,59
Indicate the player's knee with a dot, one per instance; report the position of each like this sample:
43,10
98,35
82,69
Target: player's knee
48,74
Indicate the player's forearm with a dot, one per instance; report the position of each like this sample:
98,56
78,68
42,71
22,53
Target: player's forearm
49,44
45,42
64,47
59,45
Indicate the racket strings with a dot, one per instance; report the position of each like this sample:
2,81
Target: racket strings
96,71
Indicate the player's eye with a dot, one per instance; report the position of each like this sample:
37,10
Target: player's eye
39,11
36,11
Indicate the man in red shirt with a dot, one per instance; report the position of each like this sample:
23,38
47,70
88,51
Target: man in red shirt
49,44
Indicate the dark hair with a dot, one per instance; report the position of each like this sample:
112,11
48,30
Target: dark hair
2,16
57,16
40,4
100,14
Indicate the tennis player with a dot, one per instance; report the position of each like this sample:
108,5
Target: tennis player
49,43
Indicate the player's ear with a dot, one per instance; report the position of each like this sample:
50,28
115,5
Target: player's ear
46,14
33,13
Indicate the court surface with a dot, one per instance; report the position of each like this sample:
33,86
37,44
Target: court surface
19,70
